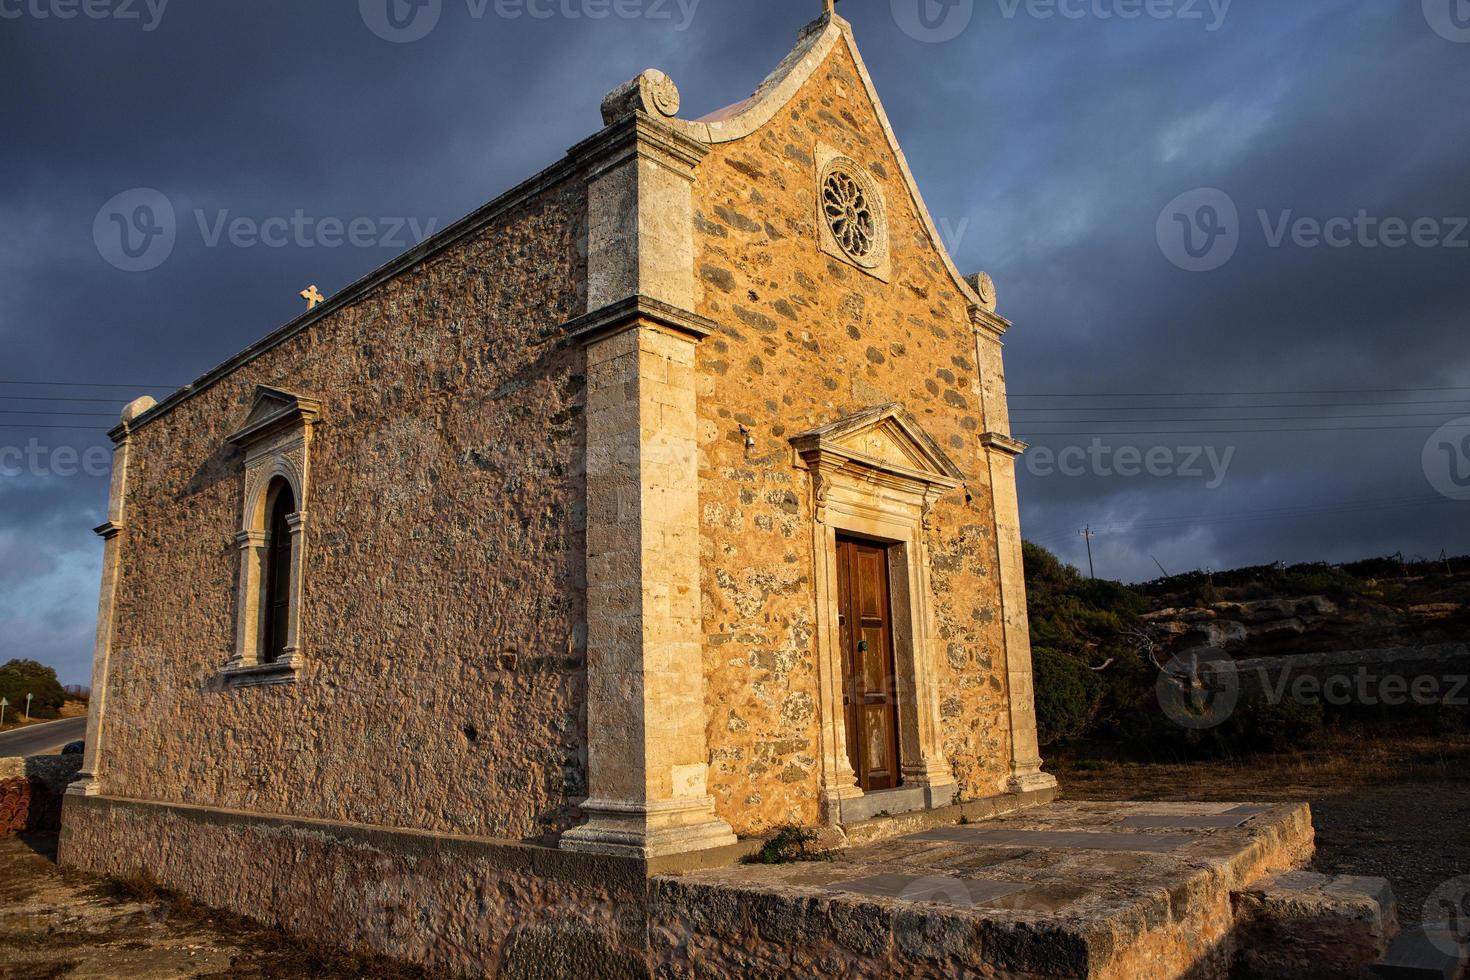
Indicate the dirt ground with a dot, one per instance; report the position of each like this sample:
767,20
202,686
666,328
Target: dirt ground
56,923
1398,808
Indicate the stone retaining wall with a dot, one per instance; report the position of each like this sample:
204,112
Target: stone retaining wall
31,791
458,905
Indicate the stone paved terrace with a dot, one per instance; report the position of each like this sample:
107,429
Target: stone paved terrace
1076,889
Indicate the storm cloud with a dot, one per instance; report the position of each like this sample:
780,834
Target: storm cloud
1205,219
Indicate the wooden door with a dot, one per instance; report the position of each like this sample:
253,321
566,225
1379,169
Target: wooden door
865,630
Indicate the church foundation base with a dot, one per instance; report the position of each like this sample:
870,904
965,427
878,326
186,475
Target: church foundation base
458,905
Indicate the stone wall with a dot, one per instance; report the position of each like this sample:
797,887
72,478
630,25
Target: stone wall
444,661
806,339
31,792
458,905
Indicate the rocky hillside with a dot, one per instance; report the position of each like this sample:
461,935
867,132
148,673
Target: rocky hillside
1421,605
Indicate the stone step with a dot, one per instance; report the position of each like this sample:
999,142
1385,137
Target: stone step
1303,924
1420,955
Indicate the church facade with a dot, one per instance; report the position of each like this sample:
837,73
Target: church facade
664,501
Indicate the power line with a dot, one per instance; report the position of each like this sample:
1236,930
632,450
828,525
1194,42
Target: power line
1276,513
65,398
1225,394
1231,432
86,384
1242,418
74,428
1218,407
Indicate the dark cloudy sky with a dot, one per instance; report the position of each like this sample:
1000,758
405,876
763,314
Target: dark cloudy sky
1065,147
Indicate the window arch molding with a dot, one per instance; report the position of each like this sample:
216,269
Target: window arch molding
275,440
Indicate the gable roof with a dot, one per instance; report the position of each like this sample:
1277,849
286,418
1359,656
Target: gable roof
814,44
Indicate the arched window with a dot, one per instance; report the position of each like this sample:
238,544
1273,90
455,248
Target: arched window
276,607
275,442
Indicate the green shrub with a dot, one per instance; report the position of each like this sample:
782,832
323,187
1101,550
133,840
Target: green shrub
789,845
21,677
1067,696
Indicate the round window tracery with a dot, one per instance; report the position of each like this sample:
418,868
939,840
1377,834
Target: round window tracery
853,212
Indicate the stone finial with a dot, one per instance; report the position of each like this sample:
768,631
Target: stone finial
137,407
985,287
652,91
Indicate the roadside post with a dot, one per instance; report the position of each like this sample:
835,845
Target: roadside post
3,705
28,707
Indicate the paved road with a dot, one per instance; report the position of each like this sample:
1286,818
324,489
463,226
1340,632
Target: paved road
46,738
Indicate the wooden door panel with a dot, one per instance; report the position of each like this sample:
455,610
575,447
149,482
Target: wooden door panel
866,639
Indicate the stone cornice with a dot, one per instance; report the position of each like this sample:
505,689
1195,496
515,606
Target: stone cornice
1003,444
624,313
639,135
108,530
988,321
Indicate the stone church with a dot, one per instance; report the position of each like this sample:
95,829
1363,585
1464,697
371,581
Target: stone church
666,500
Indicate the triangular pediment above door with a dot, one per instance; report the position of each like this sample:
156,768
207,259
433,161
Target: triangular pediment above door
885,438
272,408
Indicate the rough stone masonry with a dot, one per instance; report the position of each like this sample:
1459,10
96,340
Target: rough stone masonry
512,573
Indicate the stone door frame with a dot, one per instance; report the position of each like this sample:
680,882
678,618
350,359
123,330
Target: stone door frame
875,497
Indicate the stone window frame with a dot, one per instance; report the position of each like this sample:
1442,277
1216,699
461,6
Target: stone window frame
276,442
873,497
879,262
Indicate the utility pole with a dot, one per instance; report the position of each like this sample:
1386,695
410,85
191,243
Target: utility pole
1161,566
1087,534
